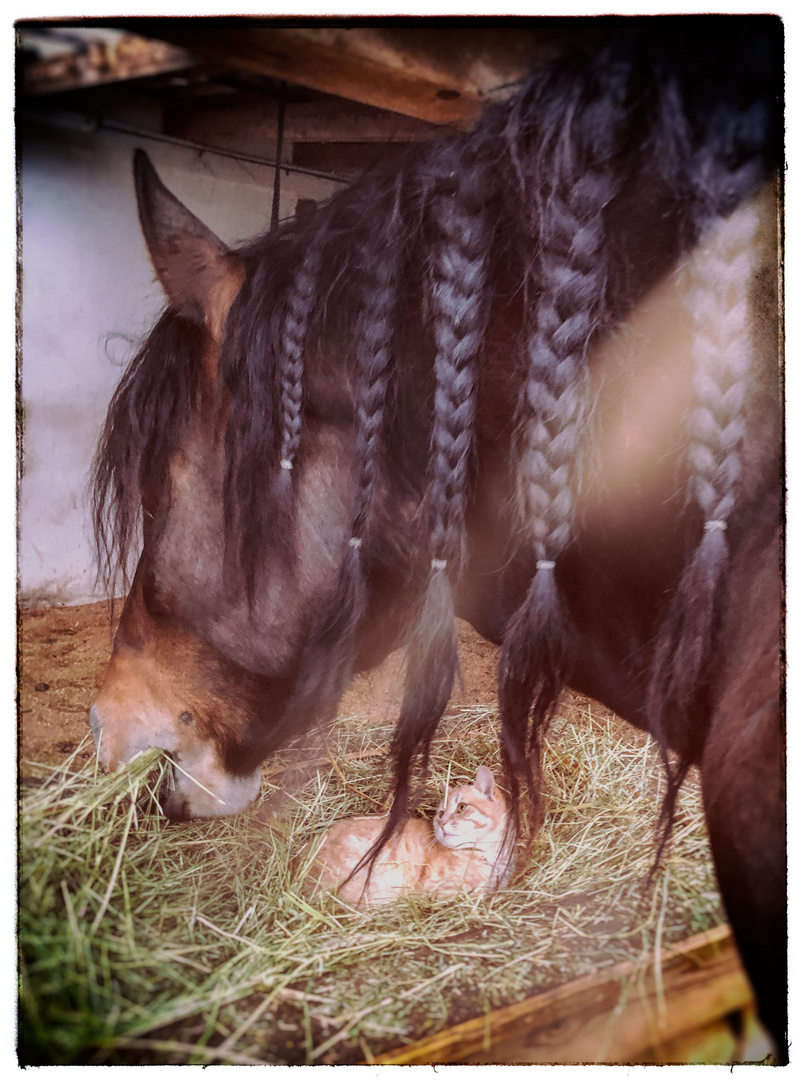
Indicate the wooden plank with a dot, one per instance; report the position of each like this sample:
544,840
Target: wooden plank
721,1042
616,1016
300,56
440,71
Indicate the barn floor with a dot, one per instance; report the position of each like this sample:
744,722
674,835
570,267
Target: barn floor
63,653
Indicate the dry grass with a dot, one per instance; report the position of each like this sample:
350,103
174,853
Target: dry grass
143,942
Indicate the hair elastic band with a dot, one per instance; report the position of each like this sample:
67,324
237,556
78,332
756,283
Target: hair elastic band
546,564
710,526
439,564
355,542
286,463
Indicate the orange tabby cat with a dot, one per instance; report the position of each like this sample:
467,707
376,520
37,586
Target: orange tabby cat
464,849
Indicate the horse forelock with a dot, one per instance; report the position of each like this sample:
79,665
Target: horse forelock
163,388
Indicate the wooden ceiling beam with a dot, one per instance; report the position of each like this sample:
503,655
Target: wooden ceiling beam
339,62
440,74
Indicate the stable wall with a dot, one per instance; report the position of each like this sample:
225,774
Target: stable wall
88,295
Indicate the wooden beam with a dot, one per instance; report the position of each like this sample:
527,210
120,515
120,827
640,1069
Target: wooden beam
616,1016
338,66
441,74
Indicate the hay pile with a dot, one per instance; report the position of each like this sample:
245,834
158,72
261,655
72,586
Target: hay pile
145,942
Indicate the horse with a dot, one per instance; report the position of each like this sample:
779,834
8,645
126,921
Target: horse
526,375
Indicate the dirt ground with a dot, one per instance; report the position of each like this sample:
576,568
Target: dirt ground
63,652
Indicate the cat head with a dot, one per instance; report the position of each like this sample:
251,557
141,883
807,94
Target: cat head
473,815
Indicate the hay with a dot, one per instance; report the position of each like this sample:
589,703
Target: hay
144,942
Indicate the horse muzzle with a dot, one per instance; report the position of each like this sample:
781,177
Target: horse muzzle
197,786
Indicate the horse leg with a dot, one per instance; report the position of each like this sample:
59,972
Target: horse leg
747,834
743,783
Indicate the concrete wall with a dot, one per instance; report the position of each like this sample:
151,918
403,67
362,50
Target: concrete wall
89,293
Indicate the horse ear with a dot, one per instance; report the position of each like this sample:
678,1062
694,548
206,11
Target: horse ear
199,274
485,782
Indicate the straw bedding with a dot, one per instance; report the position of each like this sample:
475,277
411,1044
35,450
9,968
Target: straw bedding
148,942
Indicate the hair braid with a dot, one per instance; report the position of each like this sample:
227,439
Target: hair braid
375,326
459,304
722,353
263,376
713,152
328,653
718,301
569,278
722,349
299,302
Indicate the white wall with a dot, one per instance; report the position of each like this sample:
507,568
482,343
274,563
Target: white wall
89,293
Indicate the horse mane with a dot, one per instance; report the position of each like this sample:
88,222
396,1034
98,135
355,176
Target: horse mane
537,179
161,389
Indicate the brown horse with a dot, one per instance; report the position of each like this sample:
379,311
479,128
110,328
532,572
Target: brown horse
527,376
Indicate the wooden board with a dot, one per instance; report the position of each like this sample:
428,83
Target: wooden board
443,71
645,1011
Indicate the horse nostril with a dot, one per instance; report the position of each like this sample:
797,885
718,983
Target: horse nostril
175,809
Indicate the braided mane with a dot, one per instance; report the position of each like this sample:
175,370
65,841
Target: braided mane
408,256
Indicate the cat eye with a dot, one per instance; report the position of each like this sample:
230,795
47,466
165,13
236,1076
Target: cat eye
462,806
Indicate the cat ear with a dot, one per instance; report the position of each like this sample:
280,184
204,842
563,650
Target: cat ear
485,782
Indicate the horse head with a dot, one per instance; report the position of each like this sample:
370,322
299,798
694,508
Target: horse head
207,659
